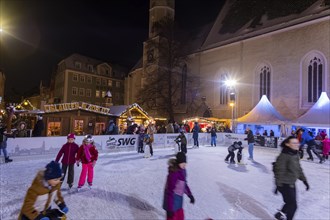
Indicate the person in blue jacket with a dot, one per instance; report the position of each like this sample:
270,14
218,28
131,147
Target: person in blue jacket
311,145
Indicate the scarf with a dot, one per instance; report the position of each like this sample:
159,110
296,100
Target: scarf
87,153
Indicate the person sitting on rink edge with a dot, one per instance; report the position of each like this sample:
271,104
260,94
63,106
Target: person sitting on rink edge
45,190
231,154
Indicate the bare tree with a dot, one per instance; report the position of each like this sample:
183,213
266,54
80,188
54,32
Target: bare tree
165,79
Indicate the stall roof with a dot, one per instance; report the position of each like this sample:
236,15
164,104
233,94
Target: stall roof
263,113
118,110
318,114
205,119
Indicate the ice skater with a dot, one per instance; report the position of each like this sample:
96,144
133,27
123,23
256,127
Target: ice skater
287,170
250,139
87,155
45,191
183,140
231,149
176,186
68,154
311,145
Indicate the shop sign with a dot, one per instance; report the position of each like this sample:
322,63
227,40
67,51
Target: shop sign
76,106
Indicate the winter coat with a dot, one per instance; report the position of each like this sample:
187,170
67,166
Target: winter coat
176,186
306,138
287,168
196,129
234,147
39,197
326,146
169,128
38,128
69,151
213,132
182,138
81,154
250,137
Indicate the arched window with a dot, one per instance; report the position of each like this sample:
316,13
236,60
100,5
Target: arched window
264,81
315,72
223,90
313,77
184,85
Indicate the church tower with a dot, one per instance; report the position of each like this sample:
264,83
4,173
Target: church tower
158,10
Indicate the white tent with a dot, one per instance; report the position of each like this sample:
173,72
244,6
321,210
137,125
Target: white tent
263,113
318,115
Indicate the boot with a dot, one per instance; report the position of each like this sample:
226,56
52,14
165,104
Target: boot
7,160
310,158
280,216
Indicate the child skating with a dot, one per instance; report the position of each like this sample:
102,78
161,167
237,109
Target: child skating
176,186
231,149
68,154
44,191
87,155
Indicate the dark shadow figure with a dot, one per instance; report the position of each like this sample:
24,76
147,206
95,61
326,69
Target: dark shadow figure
240,200
238,168
140,208
262,167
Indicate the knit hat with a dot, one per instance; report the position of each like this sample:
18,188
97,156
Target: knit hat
53,171
71,136
181,158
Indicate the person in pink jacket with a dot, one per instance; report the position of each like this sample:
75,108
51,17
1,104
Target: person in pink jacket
68,154
87,155
326,147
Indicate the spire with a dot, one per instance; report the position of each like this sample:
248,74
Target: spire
158,10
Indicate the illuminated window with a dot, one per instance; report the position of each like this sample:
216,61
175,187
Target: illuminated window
78,127
97,94
54,127
110,83
103,93
223,90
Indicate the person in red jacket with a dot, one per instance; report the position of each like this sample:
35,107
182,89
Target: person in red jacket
326,147
68,154
87,155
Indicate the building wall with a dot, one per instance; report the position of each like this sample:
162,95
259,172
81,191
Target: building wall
283,51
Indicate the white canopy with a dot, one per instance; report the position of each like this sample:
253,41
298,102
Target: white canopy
263,113
318,115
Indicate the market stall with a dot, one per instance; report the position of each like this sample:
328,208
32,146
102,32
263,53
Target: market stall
206,123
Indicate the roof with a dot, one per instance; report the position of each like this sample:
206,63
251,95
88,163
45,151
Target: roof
240,19
118,110
318,114
263,113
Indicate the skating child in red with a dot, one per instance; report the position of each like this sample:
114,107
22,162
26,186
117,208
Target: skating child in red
87,155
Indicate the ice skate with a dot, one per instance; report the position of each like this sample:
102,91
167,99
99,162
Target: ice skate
79,189
89,186
310,158
7,160
280,216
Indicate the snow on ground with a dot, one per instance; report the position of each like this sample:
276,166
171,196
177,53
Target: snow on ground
128,186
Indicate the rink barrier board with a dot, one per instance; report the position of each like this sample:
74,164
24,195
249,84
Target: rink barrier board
112,143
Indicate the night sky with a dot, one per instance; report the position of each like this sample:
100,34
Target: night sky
40,33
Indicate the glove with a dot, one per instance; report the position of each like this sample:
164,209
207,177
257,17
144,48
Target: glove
307,185
276,190
63,208
192,199
169,214
42,217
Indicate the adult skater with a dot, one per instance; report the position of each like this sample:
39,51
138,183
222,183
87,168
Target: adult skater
176,186
311,145
3,144
231,154
196,129
250,139
38,127
213,136
287,170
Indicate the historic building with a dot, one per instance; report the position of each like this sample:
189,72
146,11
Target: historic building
278,49
84,79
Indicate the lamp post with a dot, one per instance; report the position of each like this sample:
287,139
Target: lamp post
232,100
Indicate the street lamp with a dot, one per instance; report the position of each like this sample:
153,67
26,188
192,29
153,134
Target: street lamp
231,83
